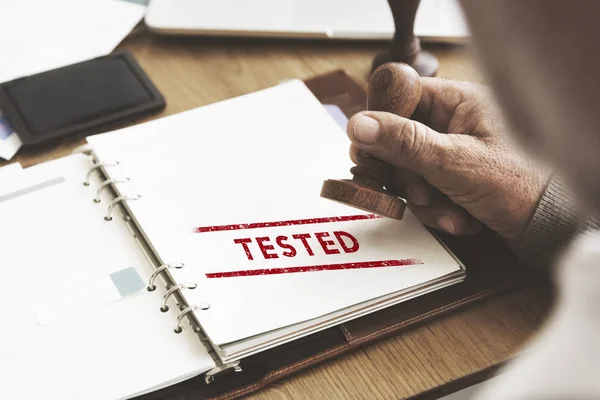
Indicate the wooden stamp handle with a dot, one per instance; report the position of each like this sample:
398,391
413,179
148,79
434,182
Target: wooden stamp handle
394,88
405,46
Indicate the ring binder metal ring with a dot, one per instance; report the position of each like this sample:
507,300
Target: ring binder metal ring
185,311
164,307
158,271
210,375
107,183
95,167
184,307
117,201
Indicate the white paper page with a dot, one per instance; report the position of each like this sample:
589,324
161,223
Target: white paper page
9,172
256,344
253,159
40,35
253,304
53,236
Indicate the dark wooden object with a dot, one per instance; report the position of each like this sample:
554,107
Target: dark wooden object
405,46
395,88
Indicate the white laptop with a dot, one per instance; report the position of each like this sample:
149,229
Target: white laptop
436,20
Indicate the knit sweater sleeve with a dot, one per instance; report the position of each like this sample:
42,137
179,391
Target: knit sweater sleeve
556,221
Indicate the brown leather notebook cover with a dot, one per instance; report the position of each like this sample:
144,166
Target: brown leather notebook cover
491,269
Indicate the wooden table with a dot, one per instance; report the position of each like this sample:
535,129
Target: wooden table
191,72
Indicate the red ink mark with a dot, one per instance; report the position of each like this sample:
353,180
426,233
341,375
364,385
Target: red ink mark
264,248
244,242
290,250
326,243
313,268
255,225
303,238
340,234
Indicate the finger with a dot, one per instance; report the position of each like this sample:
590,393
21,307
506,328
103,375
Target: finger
353,151
446,216
400,141
440,99
405,183
412,186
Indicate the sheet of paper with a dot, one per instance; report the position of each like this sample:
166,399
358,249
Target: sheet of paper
9,171
232,190
255,344
85,291
39,35
59,253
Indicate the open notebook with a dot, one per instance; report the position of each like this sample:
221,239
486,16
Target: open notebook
221,204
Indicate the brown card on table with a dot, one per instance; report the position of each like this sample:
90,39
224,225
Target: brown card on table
491,269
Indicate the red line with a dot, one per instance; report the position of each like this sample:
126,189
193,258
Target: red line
235,227
312,268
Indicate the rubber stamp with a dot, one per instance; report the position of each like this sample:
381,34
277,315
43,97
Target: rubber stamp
395,88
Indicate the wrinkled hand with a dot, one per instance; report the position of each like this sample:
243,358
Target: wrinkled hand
455,165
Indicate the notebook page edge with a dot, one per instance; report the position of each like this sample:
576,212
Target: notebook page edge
243,348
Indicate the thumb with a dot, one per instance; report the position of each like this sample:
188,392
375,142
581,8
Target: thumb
400,141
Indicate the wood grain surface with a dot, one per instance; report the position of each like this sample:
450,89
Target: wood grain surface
192,72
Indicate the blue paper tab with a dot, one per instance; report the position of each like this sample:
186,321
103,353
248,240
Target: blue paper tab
5,128
337,114
127,281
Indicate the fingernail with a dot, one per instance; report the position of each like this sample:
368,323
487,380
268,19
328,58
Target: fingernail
447,224
366,130
417,196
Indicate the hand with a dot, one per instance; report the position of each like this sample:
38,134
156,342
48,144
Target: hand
456,167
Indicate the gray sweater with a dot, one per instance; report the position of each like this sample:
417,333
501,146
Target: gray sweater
562,360
555,223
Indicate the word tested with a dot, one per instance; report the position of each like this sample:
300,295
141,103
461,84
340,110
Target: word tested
289,246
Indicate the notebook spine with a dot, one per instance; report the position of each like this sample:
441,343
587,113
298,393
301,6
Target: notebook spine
173,289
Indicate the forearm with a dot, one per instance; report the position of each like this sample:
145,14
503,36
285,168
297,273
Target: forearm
555,223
